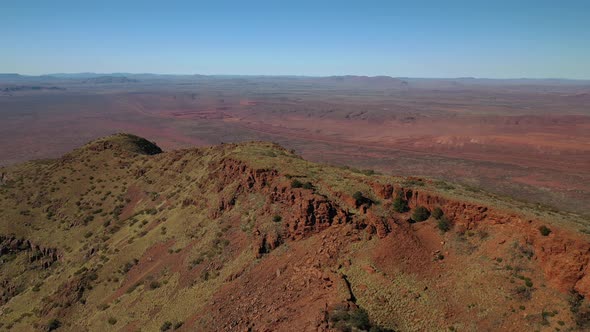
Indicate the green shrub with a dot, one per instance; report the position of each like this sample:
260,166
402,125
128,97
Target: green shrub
544,230
522,292
53,324
352,319
112,320
358,196
277,218
444,225
166,326
420,213
437,213
155,284
295,183
580,309
132,288
360,319
400,205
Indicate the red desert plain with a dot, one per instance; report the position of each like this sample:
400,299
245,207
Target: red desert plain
525,139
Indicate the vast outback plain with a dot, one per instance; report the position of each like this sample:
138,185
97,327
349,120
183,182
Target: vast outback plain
140,202
526,139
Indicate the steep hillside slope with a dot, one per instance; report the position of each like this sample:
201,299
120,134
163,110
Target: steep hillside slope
118,235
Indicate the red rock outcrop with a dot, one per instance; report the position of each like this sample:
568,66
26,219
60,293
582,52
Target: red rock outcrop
307,213
563,256
43,255
66,295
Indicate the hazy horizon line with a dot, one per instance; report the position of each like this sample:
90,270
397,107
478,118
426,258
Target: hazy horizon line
294,75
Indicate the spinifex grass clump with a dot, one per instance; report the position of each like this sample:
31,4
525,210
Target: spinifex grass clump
420,214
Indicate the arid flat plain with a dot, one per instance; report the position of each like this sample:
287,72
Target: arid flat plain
526,139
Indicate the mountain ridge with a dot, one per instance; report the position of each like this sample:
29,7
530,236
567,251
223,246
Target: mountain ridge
121,235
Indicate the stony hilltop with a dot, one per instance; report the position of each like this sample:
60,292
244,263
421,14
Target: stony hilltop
118,235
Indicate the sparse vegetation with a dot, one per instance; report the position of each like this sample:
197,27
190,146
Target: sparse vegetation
580,308
544,230
360,198
420,213
344,318
437,213
400,204
53,324
167,325
187,245
443,224
295,183
522,293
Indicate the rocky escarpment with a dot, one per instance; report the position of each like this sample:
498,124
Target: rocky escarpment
308,212
304,211
563,256
39,257
67,294
42,256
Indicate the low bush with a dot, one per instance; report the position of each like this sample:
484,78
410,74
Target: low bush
166,326
437,213
443,224
361,199
420,214
523,292
53,324
544,230
400,204
343,318
295,183
580,309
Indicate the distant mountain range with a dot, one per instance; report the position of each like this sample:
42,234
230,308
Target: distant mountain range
349,81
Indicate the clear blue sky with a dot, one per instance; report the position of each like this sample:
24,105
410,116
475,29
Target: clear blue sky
495,39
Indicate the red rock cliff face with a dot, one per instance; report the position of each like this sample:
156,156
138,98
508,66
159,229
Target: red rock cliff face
306,211
40,254
563,256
